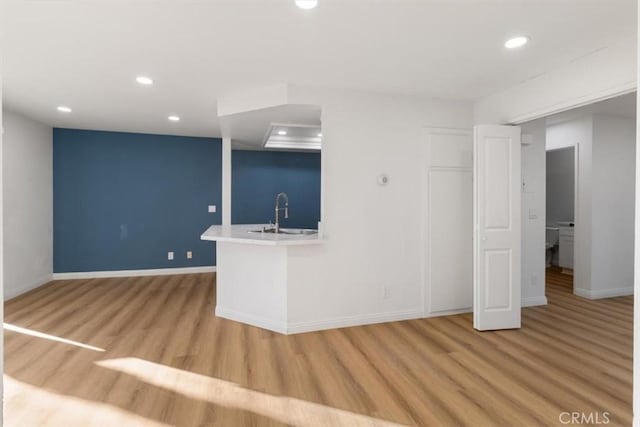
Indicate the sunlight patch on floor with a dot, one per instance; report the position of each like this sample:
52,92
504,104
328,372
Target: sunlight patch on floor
280,408
27,405
31,332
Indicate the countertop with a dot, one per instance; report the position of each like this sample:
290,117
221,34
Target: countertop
240,234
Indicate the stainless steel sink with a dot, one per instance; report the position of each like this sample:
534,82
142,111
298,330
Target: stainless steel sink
305,231
264,230
293,231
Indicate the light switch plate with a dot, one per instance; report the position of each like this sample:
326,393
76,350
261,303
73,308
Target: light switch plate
212,208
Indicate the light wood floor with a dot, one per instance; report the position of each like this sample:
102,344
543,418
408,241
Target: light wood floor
168,361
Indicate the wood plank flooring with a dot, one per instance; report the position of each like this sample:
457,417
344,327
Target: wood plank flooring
149,352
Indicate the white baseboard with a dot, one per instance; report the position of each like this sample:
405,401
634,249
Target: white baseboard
10,293
250,319
286,328
449,312
603,293
358,320
534,301
132,273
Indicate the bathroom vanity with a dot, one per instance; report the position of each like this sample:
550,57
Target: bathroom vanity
254,270
565,245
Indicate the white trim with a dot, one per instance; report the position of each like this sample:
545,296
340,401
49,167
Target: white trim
251,319
534,301
448,312
575,102
286,328
12,293
603,293
132,273
358,320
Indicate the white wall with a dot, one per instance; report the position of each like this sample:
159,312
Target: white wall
613,205
27,170
373,232
533,215
560,185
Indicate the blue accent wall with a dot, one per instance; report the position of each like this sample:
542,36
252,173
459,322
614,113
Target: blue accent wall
258,176
123,200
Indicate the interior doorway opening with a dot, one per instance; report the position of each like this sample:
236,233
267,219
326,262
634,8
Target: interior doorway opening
589,172
560,214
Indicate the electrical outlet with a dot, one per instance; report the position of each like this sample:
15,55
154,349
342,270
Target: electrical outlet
212,208
386,292
534,280
189,254
170,256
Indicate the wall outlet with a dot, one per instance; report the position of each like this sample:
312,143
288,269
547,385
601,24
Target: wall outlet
189,254
534,280
170,256
386,292
212,208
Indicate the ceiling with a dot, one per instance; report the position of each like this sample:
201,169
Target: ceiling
250,129
620,106
285,137
86,54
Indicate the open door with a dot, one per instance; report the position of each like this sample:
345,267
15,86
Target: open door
497,227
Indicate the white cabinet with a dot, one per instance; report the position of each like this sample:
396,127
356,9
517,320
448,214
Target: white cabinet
565,259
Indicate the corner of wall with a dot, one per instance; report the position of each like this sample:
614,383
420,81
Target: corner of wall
27,211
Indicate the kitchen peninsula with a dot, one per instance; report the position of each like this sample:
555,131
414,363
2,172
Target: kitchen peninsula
254,270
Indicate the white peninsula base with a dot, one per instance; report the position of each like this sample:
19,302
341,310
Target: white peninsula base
252,272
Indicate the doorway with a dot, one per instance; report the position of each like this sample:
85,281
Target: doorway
560,215
595,145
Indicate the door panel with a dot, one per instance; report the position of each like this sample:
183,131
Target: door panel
496,190
497,222
451,240
451,150
498,279
448,269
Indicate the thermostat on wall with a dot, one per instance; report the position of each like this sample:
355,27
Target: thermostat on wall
383,179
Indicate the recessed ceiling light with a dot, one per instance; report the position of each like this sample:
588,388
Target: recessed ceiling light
144,80
282,132
306,4
64,109
319,135
516,42
174,118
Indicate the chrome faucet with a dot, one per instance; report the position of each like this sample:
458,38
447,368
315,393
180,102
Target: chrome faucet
286,209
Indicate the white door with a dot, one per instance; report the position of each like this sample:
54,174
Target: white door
497,227
448,222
